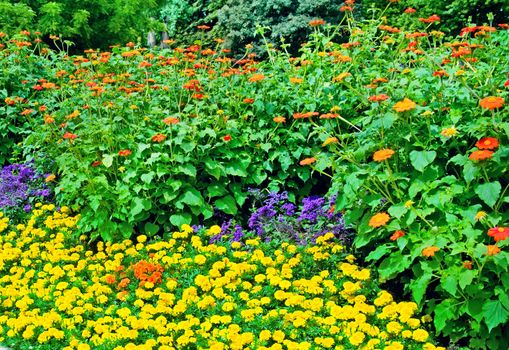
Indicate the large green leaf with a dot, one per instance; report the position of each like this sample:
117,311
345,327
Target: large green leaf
180,219
227,204
192,197
421,159
419,286
489,192
494,313
443,312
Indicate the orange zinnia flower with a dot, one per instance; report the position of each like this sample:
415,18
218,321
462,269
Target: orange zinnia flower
397,234
430,251
499,233
329,140
492,102
468,265
382,154
124,153
492,250
170,121
379,219
256,77
480,155
487,143
279,119
50,178
308,161
158,138
70,136
316,22
405,105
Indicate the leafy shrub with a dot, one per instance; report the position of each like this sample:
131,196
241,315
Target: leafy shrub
87,23
421,177
133,152
288,19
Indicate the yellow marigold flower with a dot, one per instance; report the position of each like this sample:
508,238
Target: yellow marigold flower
214,230
50,178
405,105
379,219
383,154
409,203
394,327
357,338
420,335
141,239
278,336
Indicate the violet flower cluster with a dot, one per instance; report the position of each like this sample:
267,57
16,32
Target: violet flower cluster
277,218
20,187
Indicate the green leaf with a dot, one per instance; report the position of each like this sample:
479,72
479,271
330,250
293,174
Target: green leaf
465,278
107,160
450,284
216,190
180,219
147,178
470,171
137,206
419,285
227,205
378,253
398,210
494,313
151,229
393,265
421,159
489,192
187,169
443,312
192,197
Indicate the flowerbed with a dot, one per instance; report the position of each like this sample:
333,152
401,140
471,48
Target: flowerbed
405,128
180,292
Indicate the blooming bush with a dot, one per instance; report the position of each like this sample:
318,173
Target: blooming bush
181,292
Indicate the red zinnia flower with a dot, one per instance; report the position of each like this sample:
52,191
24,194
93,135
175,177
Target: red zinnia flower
487,143
480,155
397,234
158,138
499,233
70,136
492,102
124,153
96,163
227,138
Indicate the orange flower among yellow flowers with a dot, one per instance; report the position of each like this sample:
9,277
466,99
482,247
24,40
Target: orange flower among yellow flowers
383,154
430,251
405,105
491,102
379,219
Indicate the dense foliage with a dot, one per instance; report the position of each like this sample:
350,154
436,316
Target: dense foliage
97,23
408,128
